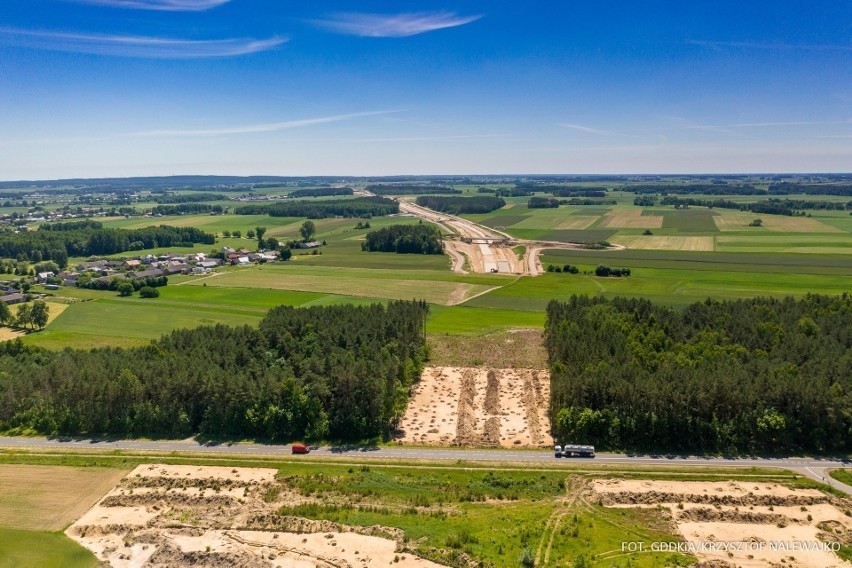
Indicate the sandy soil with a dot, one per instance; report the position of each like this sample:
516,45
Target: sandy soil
178,516
480,407
7,334
487,250
747,524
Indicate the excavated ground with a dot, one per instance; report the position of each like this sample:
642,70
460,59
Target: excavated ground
474,406
744,524
178,516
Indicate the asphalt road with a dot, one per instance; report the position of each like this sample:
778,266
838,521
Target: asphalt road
814,468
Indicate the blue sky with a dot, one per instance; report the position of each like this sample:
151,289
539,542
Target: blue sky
159,87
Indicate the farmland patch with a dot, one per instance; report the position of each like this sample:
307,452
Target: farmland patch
632,219
49,498
577,222
772,223
665,242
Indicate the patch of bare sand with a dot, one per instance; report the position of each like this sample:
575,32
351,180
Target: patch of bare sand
479,406
8,334
178,516
747,524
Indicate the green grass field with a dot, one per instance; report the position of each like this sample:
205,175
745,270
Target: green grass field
691,255
20,549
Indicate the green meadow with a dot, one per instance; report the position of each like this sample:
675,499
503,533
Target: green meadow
676,257
43,550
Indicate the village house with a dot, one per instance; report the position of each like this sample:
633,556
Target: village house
13,298
43,276
131,264
150,273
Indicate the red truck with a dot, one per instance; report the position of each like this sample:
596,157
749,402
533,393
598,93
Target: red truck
300,449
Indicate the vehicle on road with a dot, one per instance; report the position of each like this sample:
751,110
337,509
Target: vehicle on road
573,450
300,449
557,451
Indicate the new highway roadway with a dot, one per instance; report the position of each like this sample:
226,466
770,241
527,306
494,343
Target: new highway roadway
814,468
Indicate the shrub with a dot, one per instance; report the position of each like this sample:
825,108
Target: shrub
149,292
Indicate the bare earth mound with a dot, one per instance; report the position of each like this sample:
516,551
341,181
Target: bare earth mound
479,407
746,524
177,516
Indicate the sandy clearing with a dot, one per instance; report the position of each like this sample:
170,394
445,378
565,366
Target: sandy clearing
747,524
630,221
7,333
188,516
772,223
48,498
651,242
478,406
699,487
244,474
577,222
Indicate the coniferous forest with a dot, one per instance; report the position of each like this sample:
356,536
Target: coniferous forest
756,375
336,372
405,239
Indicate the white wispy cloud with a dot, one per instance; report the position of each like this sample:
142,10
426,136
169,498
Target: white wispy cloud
164,5
255,128
136,46
596,131
763,124
392,25
686,124
718,45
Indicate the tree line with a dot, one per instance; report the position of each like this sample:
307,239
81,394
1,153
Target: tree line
756,375
695,188
405,239
186,209
574,193
335,372
320,192
564,190
786,188
771,206
35,315
175,198
87,238
411,189
543,203
461,205
359,207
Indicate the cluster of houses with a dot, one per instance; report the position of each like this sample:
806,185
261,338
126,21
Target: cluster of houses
9,295
242,257
151,266
147,266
